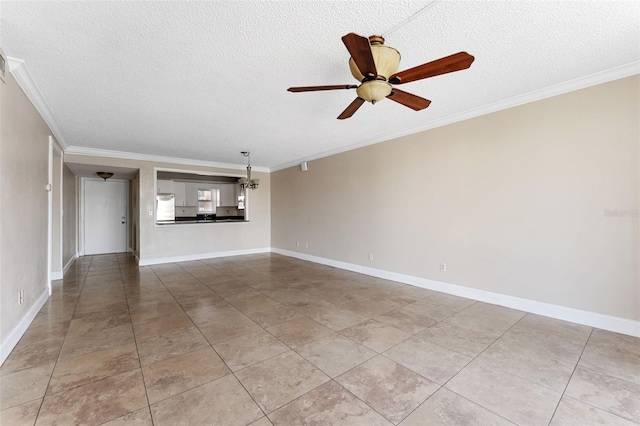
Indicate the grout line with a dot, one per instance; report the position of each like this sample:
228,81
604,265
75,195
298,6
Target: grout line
571,376
135,340
65,336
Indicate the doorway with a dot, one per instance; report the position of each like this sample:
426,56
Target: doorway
106,214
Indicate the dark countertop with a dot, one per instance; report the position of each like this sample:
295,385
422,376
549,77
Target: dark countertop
219,219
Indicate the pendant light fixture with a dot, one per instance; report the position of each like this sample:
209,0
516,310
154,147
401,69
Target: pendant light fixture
248,183
105,175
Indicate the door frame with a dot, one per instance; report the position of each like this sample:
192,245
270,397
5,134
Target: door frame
54,150
81,222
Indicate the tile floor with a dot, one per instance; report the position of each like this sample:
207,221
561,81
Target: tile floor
266,339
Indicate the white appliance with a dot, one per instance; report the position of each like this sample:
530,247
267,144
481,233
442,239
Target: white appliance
165,207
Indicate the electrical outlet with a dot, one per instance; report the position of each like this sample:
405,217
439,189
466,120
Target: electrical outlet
370,256
443,267
150,212
297,243
306,245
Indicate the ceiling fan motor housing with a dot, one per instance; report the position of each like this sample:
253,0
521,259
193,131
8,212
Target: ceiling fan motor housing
387,60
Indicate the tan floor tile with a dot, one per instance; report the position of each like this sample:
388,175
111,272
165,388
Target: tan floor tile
391,389
21,415
606,392
371,308
98,293
527,359
339,296
88,368
273,316
565,348
220,402
434,362
571,412
335,318
445,408
613,354
249,349
23,386
461,340
509,396
279,380
84,309
154,310
426,308
46,332
335,354
210,313
492,327
161,325
254,303
299,331
135,301
96,402
406,320
551,326
261,422
75,346
32,354
329,404
194,302
97,321
141,417
171,376
237,293
228,328
168,345
375,335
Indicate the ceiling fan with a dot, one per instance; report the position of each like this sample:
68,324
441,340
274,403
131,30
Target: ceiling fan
375,66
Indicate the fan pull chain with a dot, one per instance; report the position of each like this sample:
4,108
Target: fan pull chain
410,18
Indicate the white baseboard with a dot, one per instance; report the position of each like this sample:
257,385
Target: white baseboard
69,263
60,274
592,319
16,334
200,256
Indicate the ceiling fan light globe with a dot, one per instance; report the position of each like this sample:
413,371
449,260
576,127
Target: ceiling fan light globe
387,60
374,90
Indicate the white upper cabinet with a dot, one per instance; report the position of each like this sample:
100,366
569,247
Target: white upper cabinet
228,194
165,186
191,194
178,190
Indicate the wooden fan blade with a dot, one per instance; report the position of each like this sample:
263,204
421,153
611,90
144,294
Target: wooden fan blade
351,109
414,102
316,88
456,62
360,51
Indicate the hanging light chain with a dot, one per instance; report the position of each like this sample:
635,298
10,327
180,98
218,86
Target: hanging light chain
410,18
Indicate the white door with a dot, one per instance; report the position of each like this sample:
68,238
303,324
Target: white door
105,216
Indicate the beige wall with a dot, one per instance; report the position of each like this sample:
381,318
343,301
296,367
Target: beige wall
514,202
24,148
157,242
69,218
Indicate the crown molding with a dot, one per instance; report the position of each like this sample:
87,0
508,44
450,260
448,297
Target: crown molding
606,76
96,152
30,88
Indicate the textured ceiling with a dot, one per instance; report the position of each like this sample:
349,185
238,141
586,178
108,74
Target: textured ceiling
206,80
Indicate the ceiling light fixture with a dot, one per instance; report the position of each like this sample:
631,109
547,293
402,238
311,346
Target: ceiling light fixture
105,175
248,183
387,60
